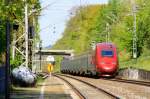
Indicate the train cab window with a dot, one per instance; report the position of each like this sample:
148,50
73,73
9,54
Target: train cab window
106,53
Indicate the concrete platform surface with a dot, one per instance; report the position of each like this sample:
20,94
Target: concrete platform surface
51,88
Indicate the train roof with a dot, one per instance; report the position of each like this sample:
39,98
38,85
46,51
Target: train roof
105,43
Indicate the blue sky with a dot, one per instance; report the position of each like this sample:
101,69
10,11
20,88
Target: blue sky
54,17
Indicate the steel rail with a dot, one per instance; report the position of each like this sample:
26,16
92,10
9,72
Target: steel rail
111,95
143,83
81,96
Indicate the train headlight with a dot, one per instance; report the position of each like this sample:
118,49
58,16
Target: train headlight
102,62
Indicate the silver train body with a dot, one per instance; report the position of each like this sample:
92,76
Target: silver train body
78,65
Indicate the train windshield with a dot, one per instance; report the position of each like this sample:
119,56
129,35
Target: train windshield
107,53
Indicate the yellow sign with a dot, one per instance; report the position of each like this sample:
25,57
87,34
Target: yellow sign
50,67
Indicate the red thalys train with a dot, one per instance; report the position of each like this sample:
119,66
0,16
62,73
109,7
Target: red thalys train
102,61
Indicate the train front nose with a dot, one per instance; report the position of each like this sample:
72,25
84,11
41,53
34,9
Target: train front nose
109,68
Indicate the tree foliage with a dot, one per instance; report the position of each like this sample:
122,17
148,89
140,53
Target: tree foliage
77,35
14,11
94,22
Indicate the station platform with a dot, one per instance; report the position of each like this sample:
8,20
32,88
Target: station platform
55,88
51,88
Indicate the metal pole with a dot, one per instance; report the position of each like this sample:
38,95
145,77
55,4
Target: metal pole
13,46
7,64
134,33
40,48
108,35
107,32
26,32
7,67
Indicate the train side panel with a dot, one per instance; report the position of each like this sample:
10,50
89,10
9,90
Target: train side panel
91,64
81,65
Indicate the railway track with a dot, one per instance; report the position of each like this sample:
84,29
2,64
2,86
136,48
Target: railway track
143,83
98,91
81,96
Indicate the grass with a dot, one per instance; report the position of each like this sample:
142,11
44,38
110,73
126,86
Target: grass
40,79
140,63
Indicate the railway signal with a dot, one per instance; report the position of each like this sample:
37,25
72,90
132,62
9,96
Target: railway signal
50,68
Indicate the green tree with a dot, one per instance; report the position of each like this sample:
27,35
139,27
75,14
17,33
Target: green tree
15,11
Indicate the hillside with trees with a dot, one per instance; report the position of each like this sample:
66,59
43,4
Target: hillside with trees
95,23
